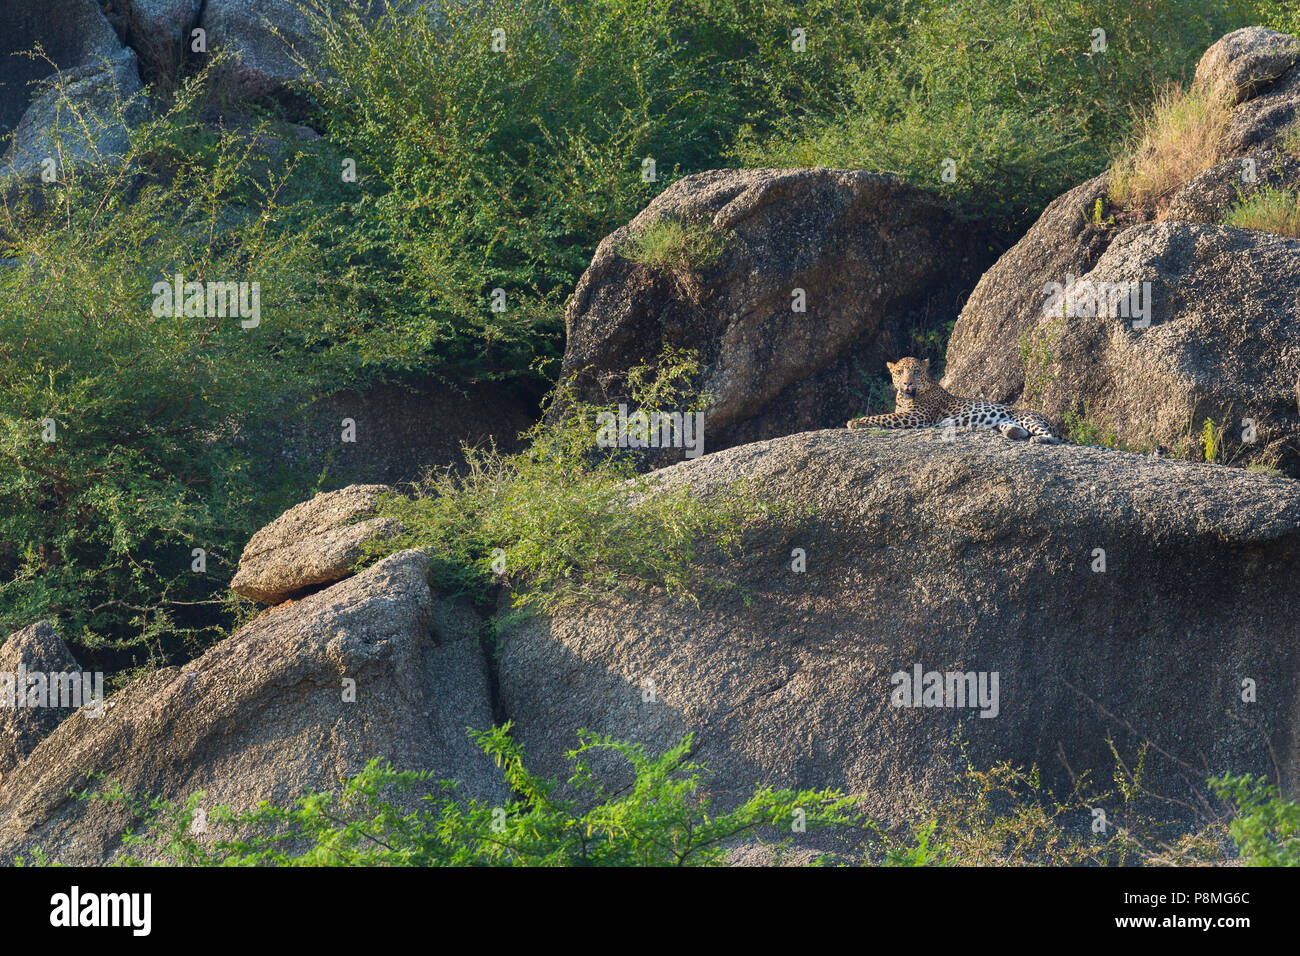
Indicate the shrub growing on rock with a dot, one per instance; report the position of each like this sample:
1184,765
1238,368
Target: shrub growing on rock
666,817
566,518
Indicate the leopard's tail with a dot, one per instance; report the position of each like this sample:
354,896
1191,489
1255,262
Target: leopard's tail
889,420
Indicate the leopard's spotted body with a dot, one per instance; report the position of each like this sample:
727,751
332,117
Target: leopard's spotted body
922,403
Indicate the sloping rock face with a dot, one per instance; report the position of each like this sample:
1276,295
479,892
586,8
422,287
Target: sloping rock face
1223,344
872,255
973,555
315,543
24,721
98,71
1254,63
85,128
1207,196
72,33
1245,61
268,713
1215,345
1008,303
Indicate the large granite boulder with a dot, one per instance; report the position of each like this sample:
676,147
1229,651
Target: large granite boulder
158,31
71,32
874,258
1223,343
38,675
299,699
1113,596
1220,299
263,37
1245,61
88,121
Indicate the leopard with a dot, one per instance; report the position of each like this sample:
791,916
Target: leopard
921,402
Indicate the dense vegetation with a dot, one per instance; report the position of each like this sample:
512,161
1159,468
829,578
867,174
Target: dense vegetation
1018,100
484,179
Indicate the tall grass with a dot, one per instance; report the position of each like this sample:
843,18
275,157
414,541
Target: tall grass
671,244
1179,137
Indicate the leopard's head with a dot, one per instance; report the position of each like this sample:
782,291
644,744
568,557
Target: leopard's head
911,376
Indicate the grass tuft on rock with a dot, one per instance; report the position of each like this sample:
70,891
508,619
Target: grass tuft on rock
1180,136
1268,210
672,245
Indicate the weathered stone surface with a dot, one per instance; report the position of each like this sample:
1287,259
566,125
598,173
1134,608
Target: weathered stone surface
33,650
760,854
99,75
401,432
1208,196
872,254
262,716
972,555
72,33
90,131
1268,98
263,35
1223,344
1241,63
983,353
314,543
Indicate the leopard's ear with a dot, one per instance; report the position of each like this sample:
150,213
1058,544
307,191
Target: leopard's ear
889,365
926,365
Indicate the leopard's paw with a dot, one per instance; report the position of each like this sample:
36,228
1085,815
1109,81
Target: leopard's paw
1013,431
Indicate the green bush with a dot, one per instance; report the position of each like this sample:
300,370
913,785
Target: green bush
1081,429
1281,15
623,807
1266,829
565,518
665,817
486,169
1002,815
118,422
